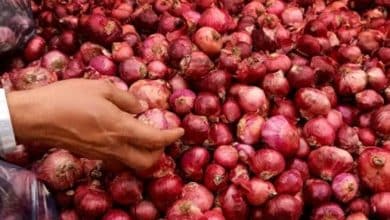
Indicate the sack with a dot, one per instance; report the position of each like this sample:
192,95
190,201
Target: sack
22,197
16,24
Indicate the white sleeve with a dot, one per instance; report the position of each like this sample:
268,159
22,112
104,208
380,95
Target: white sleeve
7,136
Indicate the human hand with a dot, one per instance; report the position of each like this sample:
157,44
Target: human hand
91,118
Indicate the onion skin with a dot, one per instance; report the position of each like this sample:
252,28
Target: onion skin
345,187
283,207
208,40
182,101
151,93
35,48
351,80
326,162
316,192
289,182
165,191
233,204
184,210
267,163
251,99
368,100
132,69
287,109
214,214
258,191
239,174
101,29
249,128
226,156
245,152
196,65
193,161
357,216
116,214
379,121
219,134
207,104
215,177
348,139
199,195
359,205
32,77
330,211
318,132
196,129
125,189
312,102
280,135
374,171
68,215
380,205
144,210
301,166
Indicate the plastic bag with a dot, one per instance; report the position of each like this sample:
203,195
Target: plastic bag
16,24
22,196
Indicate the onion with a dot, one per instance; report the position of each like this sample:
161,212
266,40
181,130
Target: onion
68,215
184,209
318,132
350,54
103,65
369,40
125,189
301,76
154,47
154,117
121,51
292,16
373,167
289,182
195,65
351,80
285,108
276,85
239,174
251,98
380,205
35,48
251,69
331,94
217,81
165,191
196,129
258,191
219,134
308,45
325,68
179,48
335,119
144,210
169,23
316,28
349,113
54,61
233,204
198,194
280,135
283,207
193,161
226,156
376,78
207,104
276,62
379,121
101,29
328,211
348,139
326,162
132,69
214,214
345,187
59,170
215,177
116,214
64,198
215,18
301,166
151,93
230,111
182,101
357,216
92,168
177,82
303,150
267,163
316,192
157,70
249,128
245,152
368,99
359,205
367,136
118,83
208,40
74,69
163,167
312,102
90,201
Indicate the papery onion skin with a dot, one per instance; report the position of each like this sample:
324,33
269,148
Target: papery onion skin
258,191
114,214
267,163
283,207
151,93
196,129
289,182
198,194
249,128
165,191
193,161
226,156
318,132
380,121
316,192
312,102
125,189
345,187
330,210
215,177
233,204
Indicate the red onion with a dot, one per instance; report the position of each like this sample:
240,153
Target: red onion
348,139
328,211
226,156
292,16
182,101
301,166
151,93
216,82
377,78
208,40
367,136
90,201
179,48
267,163
154,47
165,166
154,117
199,195
289,182
125,189
326,162
368,99
316,192
285,108
239,174
345,187
193,161
357,216
103,65
379,121
196,129
308,45
59,170
249,128
230,111
121,51
380,205
280,135
351,80
331,94
258,191
369,40
219,134
245,152
283,207
157,70
276,85
207,104
276,62
215,18
132,69
325,67
316,28
214,214
251,69
177,82
196,64
54,61
68,42
144,210
373,167
116,214
233,204
68,215
359,205
169,23
215,177
35,48
365,120
165,191
301,76
92,168
89,50
251,98
184,209
335,119
74,69
312,102
349,113
318,132
101,29
383,55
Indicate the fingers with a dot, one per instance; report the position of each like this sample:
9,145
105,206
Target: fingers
140,160
140,134
126,101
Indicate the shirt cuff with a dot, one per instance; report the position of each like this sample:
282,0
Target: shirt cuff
7,136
